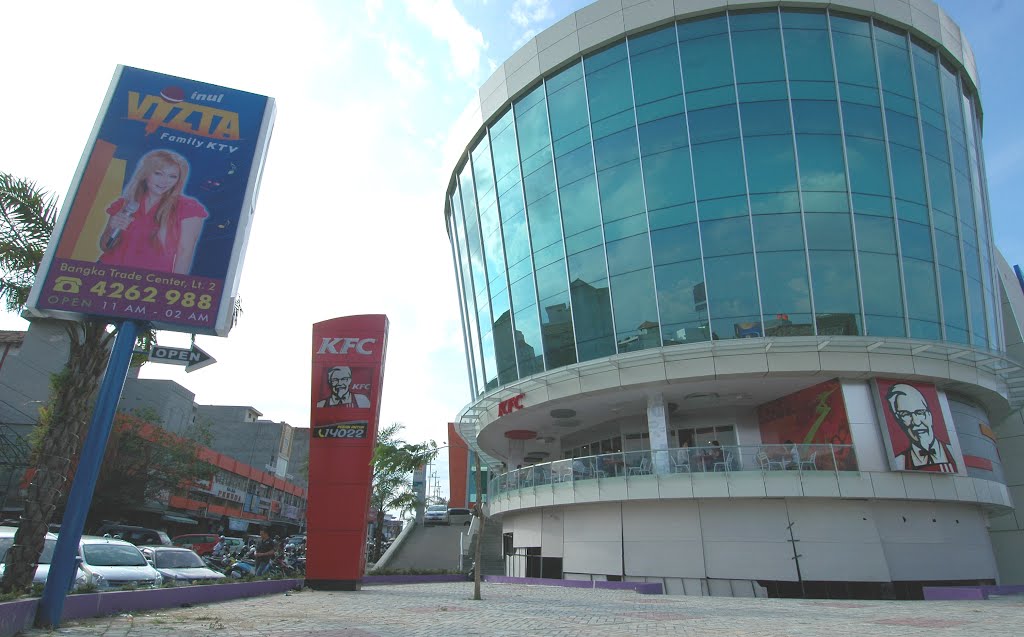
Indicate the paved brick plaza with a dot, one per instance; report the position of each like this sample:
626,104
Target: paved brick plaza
445,610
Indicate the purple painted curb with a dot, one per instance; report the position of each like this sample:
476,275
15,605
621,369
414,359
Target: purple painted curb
18,615
936,593
370,580
643,588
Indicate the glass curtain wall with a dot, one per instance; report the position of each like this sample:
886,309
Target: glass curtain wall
759,173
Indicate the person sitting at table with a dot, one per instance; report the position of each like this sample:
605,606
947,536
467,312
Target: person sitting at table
794,454
712,455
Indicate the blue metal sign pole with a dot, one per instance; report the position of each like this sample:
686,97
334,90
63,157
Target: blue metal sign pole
64,567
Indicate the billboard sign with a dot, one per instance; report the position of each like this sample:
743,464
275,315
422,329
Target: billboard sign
815,415
914,427
155,224
348,369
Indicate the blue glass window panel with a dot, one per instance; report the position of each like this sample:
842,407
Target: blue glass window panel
825,201
671,245
784,287
774,203
723,208
808,55
655,73
860,120
809,19
935,142
636,314
894,68
869,173
762,92
732,289
875,234
902,129
880,280
605,58
711,98
922,302
953,305
833,274
672,216
658,110
539,182
948,249
693,29
546,256
850,24
517,243
907,173
714,124
719,169
592,320
778,232
726,236
821,163
683,302
815,117
864,95
872,205
668,178
812,90
614,124
915,240
557,332
651,41
566,104
623,228
616,149
529,347
754,20
979,329
574,165
545,225
579,206
911,211
758,54
583,241
885,326
771,165
828,231
765,118
551,281
629,255
609,91
520,270
855,58
940,186
707,62
622,192
945,222
663,134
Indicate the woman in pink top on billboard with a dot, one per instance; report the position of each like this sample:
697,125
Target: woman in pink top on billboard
153,225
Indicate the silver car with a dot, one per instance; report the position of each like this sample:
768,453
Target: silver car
43,570
436,514
110,563
180,565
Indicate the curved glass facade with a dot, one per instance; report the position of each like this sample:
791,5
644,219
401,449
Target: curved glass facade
769,173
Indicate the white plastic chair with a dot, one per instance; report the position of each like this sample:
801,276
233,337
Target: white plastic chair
643,469
681,462
767,463
811,462
724,465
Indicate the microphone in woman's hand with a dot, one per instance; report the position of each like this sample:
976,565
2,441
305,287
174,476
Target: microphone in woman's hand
129,208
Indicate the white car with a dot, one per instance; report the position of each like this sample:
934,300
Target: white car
436,514
180,565
7,539
110,563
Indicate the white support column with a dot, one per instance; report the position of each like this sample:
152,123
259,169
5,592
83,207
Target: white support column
657,428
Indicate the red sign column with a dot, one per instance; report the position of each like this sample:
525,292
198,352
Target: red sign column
348,374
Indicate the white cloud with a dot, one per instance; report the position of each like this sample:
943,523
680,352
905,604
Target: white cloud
465,43
529,12
404,66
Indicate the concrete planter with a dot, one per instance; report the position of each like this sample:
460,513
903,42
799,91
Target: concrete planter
370,580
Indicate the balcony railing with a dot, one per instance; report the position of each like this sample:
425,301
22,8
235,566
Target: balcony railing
713,459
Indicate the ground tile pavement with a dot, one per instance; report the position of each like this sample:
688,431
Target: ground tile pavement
511,610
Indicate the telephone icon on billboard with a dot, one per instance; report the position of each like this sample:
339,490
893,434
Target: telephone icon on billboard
67,284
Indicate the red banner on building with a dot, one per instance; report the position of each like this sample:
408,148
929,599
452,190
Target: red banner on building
348,372
815,415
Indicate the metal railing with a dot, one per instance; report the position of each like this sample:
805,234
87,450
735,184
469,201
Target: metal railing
722,459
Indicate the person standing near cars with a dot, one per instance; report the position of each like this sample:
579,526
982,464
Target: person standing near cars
265,551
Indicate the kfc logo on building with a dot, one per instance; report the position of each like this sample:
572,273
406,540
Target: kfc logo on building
506,407
343,345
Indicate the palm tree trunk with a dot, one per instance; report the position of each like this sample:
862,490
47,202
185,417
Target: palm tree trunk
66,419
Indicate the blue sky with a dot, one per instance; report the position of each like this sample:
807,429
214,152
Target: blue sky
350,215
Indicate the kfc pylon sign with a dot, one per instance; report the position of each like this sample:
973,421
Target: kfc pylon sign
506,407
330,345
348,372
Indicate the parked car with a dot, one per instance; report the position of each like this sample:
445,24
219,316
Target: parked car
109,563
7,539
180,565
460,516
137,535
436,514
201,543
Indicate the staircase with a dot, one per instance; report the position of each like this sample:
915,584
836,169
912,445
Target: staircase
491,555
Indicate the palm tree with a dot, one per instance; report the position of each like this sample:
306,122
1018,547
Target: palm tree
393,462
27,216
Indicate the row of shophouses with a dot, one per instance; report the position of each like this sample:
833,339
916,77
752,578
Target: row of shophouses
259,465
